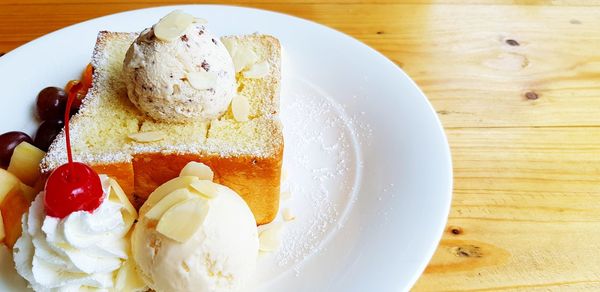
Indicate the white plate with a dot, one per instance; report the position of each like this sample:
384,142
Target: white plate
369,166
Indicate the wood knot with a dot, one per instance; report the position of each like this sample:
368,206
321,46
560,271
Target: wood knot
531,95
469,251
455,230
380,32
574,21
512,42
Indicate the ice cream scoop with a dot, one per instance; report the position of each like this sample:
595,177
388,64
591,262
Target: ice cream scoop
195,235
178,71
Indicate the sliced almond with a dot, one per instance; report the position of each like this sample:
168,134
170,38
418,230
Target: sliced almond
2,233
243,57
197,169
240,106
288,215
202,80
168,202
230,45
258,70
147,137
128,278
173,25
205,188
165,189
118,195
182,220
270,237
199,20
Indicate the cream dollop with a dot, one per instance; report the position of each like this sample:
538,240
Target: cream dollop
219,256
81,250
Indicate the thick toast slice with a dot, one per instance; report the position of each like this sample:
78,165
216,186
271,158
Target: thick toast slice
245,156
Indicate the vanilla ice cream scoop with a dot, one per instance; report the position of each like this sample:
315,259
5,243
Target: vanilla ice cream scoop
195,235
177,71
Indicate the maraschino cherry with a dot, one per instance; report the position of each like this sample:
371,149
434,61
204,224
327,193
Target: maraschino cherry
73,186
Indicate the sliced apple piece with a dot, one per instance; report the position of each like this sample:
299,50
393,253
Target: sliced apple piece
2,233
183,220
25,163
8,181
13,207
197,169
205,188
168,202
165,189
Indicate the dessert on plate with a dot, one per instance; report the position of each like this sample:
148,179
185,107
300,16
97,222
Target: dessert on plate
176,123
244,146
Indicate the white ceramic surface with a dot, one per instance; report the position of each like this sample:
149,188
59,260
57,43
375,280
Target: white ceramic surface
368,163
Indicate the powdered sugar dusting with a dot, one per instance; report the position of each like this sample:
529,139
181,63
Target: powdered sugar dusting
322,162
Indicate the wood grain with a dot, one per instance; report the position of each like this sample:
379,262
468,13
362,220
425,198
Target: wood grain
517,86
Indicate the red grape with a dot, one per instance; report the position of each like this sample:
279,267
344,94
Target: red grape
46,133
51,102
8,142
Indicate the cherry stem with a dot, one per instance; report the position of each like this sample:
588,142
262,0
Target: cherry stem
72,95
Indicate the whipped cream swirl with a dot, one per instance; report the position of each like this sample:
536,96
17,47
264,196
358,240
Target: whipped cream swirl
81,250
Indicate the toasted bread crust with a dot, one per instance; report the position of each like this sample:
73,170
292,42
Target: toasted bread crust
252,169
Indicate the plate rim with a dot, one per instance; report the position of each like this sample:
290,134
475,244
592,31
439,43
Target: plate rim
448,196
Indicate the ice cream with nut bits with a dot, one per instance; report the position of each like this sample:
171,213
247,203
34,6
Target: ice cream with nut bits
178,71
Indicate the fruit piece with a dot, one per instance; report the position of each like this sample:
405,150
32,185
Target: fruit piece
173,25
8,181
13,207
25,163
168,202
182,220
197,169
288,215
201,80
258,70
145,137
2,233
270,237
77,101
165,189
117,195
205,188
128,279
8,142
72,187
28,192
51,103
46,133
87,77
240,108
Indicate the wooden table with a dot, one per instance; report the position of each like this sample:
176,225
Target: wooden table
518,90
